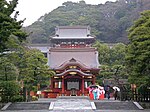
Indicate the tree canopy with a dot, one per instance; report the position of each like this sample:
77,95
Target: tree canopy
112,61
18,63
8,25
138,54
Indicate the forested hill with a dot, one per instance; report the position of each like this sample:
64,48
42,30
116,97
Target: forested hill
108,21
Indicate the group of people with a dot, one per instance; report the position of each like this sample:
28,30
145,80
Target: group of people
98,92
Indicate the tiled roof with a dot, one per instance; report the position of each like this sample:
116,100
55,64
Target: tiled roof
87,56
73,37
72,32
44,48
69,27
86,49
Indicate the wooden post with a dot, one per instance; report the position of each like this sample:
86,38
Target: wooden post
83,85
52,81
93,79
63,86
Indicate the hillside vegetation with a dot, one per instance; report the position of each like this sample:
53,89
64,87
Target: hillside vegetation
108,21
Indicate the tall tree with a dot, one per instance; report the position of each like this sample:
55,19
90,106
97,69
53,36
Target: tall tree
10,33
33,68
8,25
138,55
8,71
112,59
103,52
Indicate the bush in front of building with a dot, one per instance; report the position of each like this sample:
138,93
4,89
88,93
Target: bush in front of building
34,98
17,98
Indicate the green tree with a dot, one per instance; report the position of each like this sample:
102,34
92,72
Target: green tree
112,60
8,25
117,54
9,89
117,61
31,67
138,60
8,71
103,52
9,74
34,69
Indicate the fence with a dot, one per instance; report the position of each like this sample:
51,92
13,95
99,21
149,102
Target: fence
141,95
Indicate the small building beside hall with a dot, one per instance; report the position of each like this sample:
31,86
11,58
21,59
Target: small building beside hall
74,61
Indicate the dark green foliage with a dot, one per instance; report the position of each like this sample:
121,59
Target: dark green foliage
17,98
19,63
33,69
9,89
8,25
8,71
108,21
138,55
27,66
112,60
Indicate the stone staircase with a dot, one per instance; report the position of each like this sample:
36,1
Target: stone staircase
73,104
115,105
73,97
28,106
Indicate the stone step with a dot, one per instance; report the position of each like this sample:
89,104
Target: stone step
120,105
74,104
28,106
73,97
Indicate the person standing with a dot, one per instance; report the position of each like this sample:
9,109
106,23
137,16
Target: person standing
95,93
108,92
115,94
98,93
91,93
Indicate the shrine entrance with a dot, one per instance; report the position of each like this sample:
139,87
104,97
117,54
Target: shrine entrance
72,84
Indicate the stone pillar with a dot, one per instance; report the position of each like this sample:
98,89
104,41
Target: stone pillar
63,86
83,85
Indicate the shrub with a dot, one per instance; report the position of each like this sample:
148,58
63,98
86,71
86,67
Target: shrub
8,90
34,98
17,98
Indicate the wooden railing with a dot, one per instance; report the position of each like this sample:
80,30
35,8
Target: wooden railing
139,96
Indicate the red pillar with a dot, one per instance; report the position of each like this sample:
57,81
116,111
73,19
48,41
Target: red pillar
63,86
52,81
83,85
93,80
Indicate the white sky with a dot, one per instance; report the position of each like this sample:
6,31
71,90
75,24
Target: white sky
34,9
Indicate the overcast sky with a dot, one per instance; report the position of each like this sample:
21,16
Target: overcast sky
34,9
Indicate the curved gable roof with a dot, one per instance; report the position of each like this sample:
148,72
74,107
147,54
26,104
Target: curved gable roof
73,70
73,62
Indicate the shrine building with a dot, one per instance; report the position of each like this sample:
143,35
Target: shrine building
74,61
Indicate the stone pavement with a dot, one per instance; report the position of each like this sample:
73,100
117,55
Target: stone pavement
72,105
